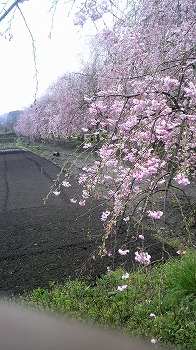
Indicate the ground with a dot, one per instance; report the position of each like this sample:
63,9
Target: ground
56,240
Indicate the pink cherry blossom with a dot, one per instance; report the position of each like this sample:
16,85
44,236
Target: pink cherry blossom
190,90
72,200
66,183
80,19
82,179
143,258
87,145
105,215
182,179
85,194
122,288
123,252
155,214
141,237
170,83
126,219
56,193
181,252
105,252
82,203
125,276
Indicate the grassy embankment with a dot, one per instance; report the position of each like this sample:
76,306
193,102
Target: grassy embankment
159,302
8,140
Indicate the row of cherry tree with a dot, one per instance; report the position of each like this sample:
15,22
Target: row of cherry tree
137,91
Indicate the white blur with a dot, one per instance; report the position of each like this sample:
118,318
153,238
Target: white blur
25,329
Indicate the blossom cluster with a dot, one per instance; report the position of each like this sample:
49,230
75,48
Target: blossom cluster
143,258
92,10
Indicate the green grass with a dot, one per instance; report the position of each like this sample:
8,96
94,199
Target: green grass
8,145
168,291
38,149
7,140
7,134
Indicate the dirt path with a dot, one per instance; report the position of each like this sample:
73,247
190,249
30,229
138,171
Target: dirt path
53,241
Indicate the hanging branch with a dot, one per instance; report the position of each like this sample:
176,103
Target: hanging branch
53,9
34,54
8,10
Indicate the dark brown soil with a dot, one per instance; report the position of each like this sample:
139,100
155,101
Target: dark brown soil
53,241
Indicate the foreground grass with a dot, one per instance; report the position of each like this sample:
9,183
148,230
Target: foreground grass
159,302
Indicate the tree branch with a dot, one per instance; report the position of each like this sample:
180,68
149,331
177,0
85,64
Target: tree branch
9,9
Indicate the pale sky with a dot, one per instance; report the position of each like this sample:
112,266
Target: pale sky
55,56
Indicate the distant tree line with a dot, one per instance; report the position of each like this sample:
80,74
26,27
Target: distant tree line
9,120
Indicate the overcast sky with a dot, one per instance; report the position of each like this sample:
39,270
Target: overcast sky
54,56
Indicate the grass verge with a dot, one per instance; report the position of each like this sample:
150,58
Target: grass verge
158,302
